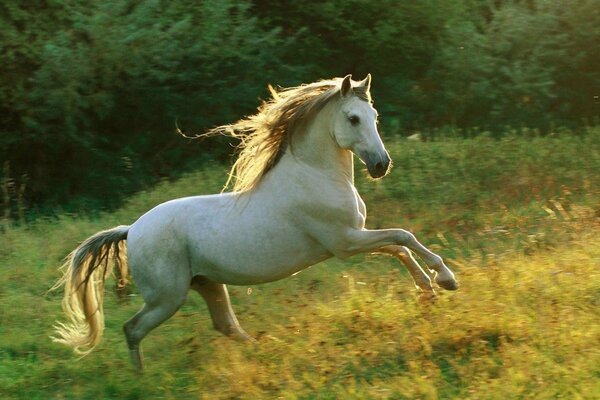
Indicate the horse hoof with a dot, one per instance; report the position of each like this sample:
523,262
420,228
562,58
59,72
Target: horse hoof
242,336
448,285
427,297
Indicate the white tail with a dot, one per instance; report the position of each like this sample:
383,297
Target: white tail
85,271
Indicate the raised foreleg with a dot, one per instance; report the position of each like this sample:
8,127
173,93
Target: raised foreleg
422,280
354,241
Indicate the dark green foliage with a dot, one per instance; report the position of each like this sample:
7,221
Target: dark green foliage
91,92
525,65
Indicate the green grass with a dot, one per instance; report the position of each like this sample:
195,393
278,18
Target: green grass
517,219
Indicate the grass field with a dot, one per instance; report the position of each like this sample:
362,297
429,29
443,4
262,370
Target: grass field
516,218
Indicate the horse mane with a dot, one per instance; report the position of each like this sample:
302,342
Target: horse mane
264,136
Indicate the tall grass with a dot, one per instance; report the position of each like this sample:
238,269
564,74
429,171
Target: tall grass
517,218
486,195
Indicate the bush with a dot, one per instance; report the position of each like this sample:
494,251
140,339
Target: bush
99,92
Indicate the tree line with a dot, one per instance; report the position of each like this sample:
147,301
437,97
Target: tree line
91,92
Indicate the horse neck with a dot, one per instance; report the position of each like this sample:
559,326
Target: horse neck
317,148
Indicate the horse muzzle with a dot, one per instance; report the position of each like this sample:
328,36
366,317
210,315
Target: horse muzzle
378,165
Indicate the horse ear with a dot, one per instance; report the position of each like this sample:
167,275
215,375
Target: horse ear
346,86
366,83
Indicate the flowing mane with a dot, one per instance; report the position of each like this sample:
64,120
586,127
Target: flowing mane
264,135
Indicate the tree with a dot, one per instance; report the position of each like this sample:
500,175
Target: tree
95,89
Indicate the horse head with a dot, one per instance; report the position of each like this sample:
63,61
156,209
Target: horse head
354,126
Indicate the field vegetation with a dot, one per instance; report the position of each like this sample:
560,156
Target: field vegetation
516,217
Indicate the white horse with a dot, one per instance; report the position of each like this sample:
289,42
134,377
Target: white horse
293,205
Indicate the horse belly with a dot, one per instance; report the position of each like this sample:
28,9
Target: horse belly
242,256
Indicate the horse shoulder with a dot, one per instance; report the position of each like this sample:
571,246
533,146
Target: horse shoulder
329,213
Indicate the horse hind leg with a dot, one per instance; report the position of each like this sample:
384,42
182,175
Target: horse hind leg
217,299
160,305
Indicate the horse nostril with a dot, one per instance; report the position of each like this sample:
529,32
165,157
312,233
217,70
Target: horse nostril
380,168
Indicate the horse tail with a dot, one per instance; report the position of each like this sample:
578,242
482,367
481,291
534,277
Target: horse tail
85,271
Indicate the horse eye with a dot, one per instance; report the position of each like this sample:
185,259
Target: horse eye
354,120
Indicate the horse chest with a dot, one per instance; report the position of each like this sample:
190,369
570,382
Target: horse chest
343,209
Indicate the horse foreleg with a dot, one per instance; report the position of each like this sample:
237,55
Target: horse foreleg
355,241
217,299
422,280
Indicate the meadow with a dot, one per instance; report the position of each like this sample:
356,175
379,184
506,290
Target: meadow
516,217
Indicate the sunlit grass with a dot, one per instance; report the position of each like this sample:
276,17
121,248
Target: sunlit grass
525,323
526,326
